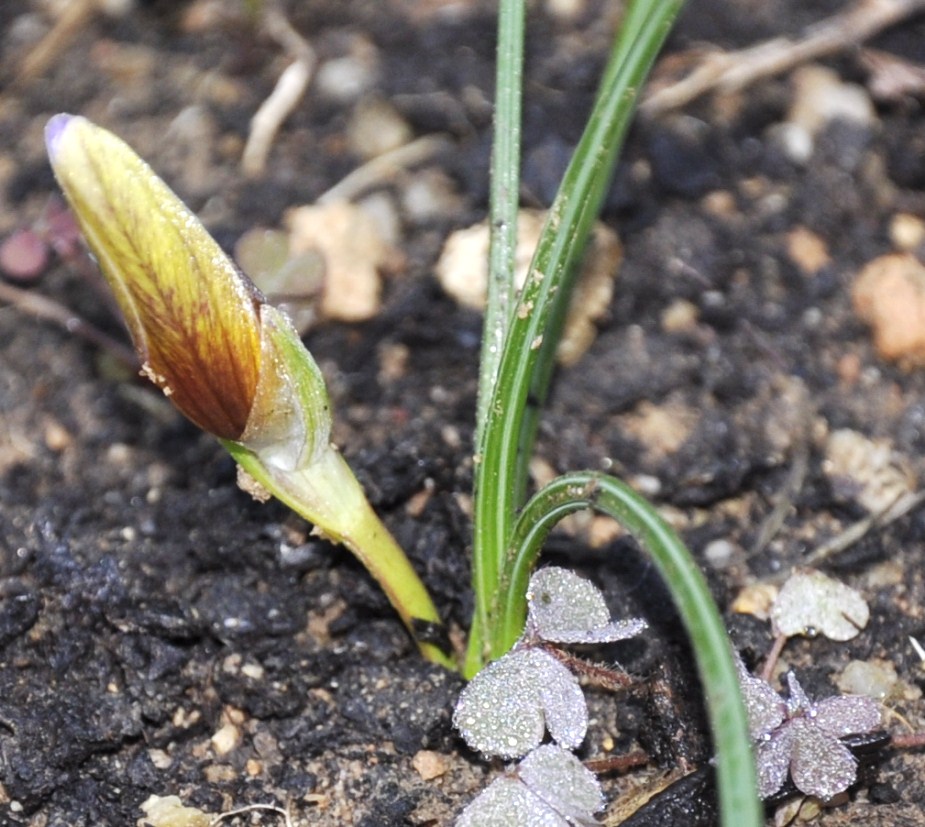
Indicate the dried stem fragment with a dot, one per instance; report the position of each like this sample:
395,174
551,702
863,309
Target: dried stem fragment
734,71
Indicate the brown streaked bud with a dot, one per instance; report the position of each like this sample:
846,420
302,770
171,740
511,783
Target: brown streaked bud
202,329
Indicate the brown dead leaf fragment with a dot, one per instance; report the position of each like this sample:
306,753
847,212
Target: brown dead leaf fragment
354,250
889,294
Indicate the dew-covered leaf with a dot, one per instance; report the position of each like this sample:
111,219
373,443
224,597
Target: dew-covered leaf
799,700
563,782
566,608
508,802
820,765
812,603
773,761
806,742
847,714
563,702
507,706
765,708
549,788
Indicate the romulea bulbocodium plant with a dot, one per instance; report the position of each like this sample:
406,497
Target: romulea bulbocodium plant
234,365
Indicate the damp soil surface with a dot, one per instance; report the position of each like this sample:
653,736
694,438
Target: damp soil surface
161,633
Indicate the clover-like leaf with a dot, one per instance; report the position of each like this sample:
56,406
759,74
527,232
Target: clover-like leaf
565,608
506,802
811,603
508,706
765,708
549,788
563,782
801,737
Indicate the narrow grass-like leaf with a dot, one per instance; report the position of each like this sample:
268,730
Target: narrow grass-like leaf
510,417
505,200
739,805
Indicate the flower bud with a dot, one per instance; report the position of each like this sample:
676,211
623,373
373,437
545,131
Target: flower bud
228,360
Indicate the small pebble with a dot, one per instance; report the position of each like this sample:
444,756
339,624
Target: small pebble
889,294
820,96
226,739
680,316
755,600
429,764
719,553
874,678
346,79
376,127
907,231
807,250
23,256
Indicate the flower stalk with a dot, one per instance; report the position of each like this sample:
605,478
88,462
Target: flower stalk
228,360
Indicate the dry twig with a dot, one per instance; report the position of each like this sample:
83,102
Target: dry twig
892,78
251,808
44,308
73,18
733,71
384,167
285,96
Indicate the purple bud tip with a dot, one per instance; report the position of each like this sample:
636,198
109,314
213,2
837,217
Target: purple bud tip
54,129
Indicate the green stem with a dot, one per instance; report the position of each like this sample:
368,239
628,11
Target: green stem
739,806
326,493
523,376
505,200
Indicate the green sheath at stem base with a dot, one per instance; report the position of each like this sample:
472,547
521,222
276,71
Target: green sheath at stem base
326,493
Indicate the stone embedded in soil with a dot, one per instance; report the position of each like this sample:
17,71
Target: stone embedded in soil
169,811
429,764
874,678
907,231
463,273
807,250
24,255
820,97
889,294
354,249
870,472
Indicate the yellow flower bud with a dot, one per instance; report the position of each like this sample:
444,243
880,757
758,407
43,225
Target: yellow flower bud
228,360
193,317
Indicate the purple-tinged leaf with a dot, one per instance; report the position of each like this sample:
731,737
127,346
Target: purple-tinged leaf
820,764
773,756
847,714
765,708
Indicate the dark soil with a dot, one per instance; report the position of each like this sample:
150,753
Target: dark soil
146,603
